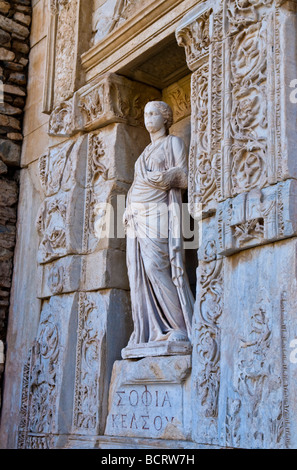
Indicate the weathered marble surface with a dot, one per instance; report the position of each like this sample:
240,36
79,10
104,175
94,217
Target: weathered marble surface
150,398
238,387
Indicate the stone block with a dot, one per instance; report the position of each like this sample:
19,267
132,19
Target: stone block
104,317
13,27
10,122
4,38
13,89
60,277
51,358
60,222
10,152
9,110
111,99
3,168
257,387
6,54
150,398
9,193
4,7
105,269
257,217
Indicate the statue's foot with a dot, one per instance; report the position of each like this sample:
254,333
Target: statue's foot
178,336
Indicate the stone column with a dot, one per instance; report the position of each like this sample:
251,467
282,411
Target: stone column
243,178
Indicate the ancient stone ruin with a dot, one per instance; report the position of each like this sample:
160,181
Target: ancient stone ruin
165,342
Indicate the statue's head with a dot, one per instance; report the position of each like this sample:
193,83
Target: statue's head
156,115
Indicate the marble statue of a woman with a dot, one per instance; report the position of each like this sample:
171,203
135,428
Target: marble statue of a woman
162,302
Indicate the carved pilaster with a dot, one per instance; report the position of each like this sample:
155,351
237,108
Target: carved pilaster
243,176
207,357
67,39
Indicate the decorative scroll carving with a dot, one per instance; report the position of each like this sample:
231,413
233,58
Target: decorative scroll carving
249,109
92,104
51,168
45,356
61,120
56,279
208,330
52,228
204,57
181,103
233,422
242,13
66,50
241,109
90,333
96,153
43,375
63,74
24,410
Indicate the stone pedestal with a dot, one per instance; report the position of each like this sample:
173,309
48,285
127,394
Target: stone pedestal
155,348
150,398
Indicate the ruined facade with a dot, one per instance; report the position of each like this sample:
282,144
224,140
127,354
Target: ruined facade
228,69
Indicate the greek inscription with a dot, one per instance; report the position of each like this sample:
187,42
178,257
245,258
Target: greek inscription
143,409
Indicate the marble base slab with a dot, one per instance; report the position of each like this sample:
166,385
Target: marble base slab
157,348
150,398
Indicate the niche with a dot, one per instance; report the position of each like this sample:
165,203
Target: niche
164,67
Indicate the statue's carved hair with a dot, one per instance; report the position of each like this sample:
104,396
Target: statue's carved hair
166,112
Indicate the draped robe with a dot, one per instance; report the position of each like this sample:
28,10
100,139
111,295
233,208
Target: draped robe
162,302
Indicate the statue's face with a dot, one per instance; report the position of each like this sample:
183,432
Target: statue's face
153,118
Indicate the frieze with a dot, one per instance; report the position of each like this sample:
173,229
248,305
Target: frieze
112,99
43,375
